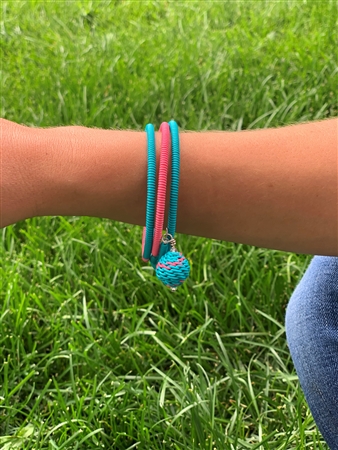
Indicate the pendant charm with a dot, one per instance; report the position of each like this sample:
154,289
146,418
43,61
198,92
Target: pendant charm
172,268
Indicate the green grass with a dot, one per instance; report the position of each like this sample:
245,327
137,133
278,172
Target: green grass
95,352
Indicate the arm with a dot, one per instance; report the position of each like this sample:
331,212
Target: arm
273,188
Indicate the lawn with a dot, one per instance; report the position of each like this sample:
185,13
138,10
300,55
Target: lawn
94,351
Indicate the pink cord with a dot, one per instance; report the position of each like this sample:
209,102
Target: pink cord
162,188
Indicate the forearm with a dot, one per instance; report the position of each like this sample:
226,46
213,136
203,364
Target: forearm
273,188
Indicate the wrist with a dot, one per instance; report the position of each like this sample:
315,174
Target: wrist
18,173
92,172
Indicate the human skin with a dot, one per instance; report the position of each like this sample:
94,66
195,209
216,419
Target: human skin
275,188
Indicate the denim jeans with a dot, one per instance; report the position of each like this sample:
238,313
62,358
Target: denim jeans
312,334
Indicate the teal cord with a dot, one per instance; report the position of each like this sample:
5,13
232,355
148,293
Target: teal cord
151,190
175,177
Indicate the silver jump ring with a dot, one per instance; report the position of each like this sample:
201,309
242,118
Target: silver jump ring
168,241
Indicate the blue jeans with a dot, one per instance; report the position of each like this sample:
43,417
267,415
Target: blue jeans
312,334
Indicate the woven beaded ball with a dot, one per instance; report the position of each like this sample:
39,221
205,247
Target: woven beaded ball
173,269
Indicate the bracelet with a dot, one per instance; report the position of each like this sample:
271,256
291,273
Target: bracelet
175,179
172,268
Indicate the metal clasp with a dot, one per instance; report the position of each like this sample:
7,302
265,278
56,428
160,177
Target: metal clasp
170,241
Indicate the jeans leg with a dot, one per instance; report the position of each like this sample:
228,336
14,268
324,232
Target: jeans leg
312,334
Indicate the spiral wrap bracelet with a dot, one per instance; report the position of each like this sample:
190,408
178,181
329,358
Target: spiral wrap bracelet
171,267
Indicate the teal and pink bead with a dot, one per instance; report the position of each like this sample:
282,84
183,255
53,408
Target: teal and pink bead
173,268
